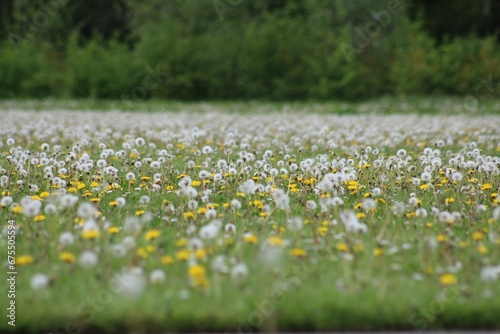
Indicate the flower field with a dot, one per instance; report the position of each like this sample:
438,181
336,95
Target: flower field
243,222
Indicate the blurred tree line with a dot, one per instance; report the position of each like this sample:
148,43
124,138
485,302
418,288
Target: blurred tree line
232,49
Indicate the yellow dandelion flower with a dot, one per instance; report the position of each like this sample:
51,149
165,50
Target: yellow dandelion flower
250,239
39,218
276,241
183,255
181,243
378,251
342,247
449,200
258,204
36,198
200,253
281,228
167,259
139,212
196,271
142,252
322,230
44,194
486,186
298,252
188,215
352,183
441,238
113,230
352,189
152,234
200,281
201,211
24,260
67,257
482,250
113,203
448,279
478,235
463,244
17,209
91,234
195,183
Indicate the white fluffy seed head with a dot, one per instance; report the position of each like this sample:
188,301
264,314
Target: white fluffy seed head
239,271
157,276
87,259
39,281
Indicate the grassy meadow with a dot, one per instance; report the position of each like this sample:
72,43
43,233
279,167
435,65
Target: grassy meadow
244,217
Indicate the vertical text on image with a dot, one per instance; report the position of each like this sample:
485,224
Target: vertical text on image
11,273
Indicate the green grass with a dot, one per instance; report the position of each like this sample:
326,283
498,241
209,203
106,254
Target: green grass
388,105
407,272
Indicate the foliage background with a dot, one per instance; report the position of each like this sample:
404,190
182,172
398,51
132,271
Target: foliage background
241,49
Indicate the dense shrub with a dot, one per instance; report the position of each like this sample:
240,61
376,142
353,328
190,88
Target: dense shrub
463,66
31,69
279,50
101,69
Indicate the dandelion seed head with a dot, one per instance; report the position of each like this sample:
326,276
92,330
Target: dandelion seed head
87,259
39,281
